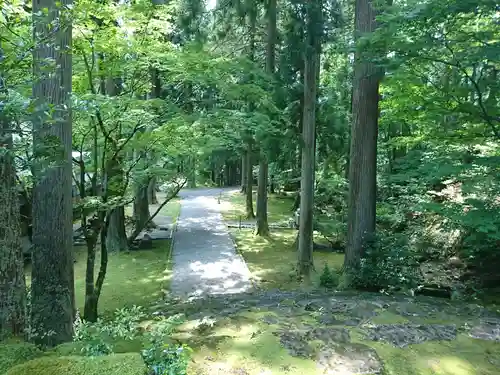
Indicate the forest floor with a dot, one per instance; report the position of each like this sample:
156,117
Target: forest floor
281,329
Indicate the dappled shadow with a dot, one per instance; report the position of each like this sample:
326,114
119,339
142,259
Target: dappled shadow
204,258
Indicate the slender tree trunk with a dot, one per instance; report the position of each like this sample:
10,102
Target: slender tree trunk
262,221
12,281
313,46
243,173
52,282
363,150
249,186
192,172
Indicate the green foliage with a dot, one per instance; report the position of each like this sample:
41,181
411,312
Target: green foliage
388,264
12,354
164,359
98,338
116,364
329,278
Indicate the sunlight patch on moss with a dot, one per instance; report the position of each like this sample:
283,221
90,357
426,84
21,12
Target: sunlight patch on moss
272,260
279,207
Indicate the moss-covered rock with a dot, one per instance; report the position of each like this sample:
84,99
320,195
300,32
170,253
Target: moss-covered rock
116,364
16,353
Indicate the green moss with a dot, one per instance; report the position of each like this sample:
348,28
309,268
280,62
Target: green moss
132,278
118,346
16,353
464,356
272,260
388,317
279,207
117,364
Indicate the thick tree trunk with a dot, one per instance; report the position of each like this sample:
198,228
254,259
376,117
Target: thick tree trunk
52,285
116,236
262,222
305,248
363,150
12,281
152,198
249,186
141,207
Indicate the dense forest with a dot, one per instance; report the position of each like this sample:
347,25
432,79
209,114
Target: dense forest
376,123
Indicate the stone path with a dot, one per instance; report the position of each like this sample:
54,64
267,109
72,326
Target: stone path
319,325
205,261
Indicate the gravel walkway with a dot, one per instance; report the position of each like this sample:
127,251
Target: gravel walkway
205,261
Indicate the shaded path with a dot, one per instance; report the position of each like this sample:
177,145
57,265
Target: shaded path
205,261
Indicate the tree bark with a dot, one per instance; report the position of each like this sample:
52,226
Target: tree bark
363,149
141,206
152,198
12,281
249,186
262,221
117,236
243,173
305,244
52,284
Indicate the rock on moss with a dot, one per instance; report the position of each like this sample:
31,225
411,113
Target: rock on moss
117,364
16,353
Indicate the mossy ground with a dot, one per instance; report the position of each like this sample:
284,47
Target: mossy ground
132,277
272,260
13,353
117,364
279,206
246,341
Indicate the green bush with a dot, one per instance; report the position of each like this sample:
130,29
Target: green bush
388,264
328,278
16,353
116,364
102,338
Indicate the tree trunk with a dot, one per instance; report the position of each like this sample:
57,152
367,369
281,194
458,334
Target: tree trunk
52,285
262,222
249,186
192,172
305,248
12,281
363,150
117,237
93,290
243,173
152,198
141,208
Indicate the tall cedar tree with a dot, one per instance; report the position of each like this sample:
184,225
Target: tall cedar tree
52,282
262,223
312,55
12,282
363,149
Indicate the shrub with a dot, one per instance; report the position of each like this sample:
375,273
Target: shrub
388,264
14,354
116,364
328,278
101,338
